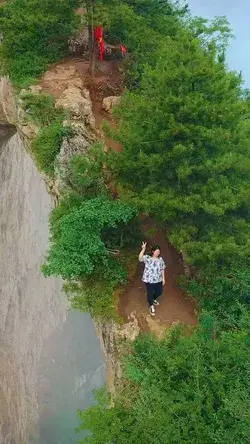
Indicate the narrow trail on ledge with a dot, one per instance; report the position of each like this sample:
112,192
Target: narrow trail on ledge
175,306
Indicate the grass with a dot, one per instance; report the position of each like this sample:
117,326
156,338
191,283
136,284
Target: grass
41,109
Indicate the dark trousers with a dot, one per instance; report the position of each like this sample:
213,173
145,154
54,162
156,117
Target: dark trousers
153,292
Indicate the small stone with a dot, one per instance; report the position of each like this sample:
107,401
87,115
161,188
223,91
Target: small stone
109,102
30,130
35,89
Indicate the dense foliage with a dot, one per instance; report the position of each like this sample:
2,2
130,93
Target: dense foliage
91,237
186,153
80,240
35,34
40,108
224,291
47,145
183,389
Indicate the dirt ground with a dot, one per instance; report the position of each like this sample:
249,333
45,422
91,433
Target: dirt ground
175,306
106,82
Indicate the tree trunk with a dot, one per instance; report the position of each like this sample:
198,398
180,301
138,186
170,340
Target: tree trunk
91,50
92,45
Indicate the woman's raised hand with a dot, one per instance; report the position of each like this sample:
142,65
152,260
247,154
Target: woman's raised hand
144,245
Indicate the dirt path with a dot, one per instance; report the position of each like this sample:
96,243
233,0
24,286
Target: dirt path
175,305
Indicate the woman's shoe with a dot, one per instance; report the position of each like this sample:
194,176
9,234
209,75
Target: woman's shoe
156,302
152,310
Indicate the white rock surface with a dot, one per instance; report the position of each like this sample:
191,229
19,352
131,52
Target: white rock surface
109,102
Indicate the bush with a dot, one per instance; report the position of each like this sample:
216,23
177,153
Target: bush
85,248
87,175
94,296
41,108
223,291
182,389
47,145
78,243
35,34
24,69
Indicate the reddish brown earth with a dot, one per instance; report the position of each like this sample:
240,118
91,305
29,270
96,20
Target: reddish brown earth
175,306
106,82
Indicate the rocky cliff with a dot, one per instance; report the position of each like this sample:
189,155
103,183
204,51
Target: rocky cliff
31,306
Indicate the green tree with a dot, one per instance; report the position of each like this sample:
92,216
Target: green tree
140,25
80,242
224,291
35,33
185,160
182,389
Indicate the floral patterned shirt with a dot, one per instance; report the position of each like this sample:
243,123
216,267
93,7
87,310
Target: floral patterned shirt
153,269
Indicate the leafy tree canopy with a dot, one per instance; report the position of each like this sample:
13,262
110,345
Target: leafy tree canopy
79,239
35,33
186,153
224,291
183,389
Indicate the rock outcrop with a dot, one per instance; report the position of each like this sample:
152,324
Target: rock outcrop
78,143
109,102
111,335
77,101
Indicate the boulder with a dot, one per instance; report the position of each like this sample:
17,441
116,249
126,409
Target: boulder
30,130
35,89
109,102
77,102
79,143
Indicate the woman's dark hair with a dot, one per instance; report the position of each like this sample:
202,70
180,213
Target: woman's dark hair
153,248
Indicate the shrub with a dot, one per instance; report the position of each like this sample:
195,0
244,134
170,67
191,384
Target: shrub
182,389
94,296
35,34
41,108
78,243
224,291
47,145
87,175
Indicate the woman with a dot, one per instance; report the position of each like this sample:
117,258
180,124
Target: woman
153,275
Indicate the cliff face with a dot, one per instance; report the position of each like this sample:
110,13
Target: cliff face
49,361
31,306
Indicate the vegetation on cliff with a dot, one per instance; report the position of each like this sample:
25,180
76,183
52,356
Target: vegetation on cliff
35,34
89,231
181,389
40,109
85,241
